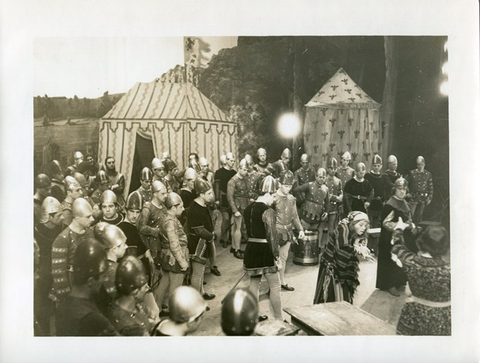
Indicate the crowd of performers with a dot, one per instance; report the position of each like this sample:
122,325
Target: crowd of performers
110,266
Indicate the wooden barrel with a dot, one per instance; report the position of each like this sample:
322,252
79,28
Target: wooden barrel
306,252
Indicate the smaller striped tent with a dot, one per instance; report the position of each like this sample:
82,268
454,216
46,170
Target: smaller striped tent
177,117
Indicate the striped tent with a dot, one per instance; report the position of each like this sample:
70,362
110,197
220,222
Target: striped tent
342,117
176,117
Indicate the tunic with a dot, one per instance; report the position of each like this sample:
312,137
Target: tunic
264,169
115,221
147,195
345,174
303,176
316,198
277,168
253,182
136,247
259,257
188,196
118,179
420,184
148,224
381,190
428,279
222,176
356,194
199,229
335,190
174,245
238,193
286,217
392,176
128,323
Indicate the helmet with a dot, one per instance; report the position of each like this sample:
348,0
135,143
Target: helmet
42,181
81,208
146,174
77,155
268,185
248,158
230,155
201,185
157,185
190,173
186,304
202,161
261,151
130,275
377,159
360,167
242,164
80,178
420,159
102,178
55,167
239,312
172,200
287,153
392,159
332,163
134,201
89,260
400,183
156,163
169,164
108,197
99,230
304,158
49,205
321,172
110,236
71,183
346,156
286,177
223,159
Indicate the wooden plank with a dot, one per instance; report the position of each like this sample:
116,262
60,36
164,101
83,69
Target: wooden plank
338,318
275,328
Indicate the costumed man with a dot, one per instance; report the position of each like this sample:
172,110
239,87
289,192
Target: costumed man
74,191
222,177
58,188
200,232
238,198
345,173
186,313
253,179
281,164
239,313
263,166
86,191
43,188
49,227
381,189
335,189
103,183
159,173
79,315
149,226
77,160
145,189
187,192
128,312
421,190
205,172
262,254
171,170
110,207
358,193
391,172
117,180
303,175
173,247
287,218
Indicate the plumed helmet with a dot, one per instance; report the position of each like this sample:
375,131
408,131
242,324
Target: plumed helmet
357,216
347,156
304,158
146,174
89,260
261,151
400,183
286,153
392,159
111,236
157,185
99,230
134,201
190,173
332,163
49,205
186,304
286,178
360,167
172,200
81,208
55,167
239,312
157,163
77,155
130,275
102,178
248,158
243,164
377,159
42,181
201,185
268,185
108,197
203,161
223,159
80,178
321,172
230,155
71,183
169,164
420,159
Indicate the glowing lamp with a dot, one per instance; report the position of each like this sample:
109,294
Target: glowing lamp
289,125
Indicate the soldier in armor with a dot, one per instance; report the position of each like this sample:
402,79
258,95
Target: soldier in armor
305,174
145,189
117,180
253,177
103,183
128,312
381,189
391,172
187,193
79,315
263,166
238,195
171,170
317,199
287,219
110,208
82,180
239,313
262,253
281,164
77,160
421,190
335,189
58,189
345,172
74,190
186,313
159,173
43,188
222,177
358,193
205,172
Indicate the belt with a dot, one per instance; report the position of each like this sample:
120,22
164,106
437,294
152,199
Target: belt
432,304
360,197
258,240
286,227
